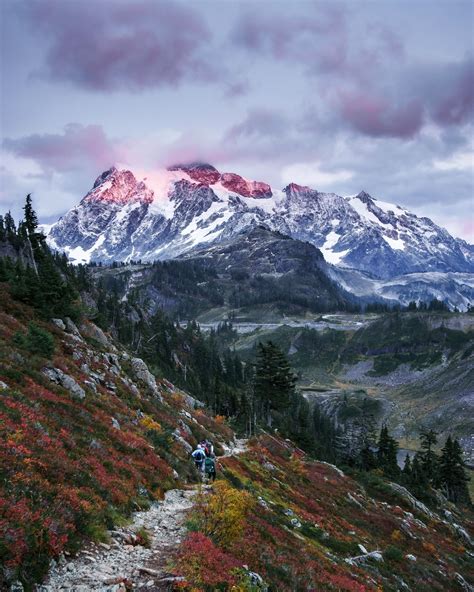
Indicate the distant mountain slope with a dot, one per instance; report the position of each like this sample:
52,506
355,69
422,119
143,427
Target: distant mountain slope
257,270
455,289
172,211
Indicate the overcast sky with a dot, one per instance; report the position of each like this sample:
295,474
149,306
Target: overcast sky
374,95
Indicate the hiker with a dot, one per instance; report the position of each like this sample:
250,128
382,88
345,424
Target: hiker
209,449
199,457
210,468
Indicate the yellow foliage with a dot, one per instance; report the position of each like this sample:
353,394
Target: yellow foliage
150,424
396,536
429,547
222,513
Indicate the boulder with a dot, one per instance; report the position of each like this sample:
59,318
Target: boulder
191,402
411,499
59,377
141,372
71,327
3,385
59,323
179,438
91,331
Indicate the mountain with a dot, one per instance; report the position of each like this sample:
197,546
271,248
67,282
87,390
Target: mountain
455,289
173,211
256,274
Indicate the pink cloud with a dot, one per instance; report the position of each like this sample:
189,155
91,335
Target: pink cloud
108,46
454,103
76,147
376,116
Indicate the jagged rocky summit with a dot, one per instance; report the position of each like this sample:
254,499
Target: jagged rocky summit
173,211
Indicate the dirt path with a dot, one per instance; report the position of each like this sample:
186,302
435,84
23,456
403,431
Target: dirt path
109,568
106,568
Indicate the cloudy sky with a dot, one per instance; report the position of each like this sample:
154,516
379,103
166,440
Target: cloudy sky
342,96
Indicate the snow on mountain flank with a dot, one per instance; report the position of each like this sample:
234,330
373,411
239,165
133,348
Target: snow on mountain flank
165,213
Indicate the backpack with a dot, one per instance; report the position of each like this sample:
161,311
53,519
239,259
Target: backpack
210,465
198,455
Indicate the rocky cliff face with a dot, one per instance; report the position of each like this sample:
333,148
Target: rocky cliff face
124,218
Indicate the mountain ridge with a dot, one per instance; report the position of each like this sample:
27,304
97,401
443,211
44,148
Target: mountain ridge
173,211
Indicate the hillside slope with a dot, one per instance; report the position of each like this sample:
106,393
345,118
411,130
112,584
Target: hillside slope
87,435
308,526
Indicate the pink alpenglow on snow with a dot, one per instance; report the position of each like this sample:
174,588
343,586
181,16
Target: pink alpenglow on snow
119,187
238,184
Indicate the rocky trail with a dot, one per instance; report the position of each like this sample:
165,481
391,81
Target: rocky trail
123,564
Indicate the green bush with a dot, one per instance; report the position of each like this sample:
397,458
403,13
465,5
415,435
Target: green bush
36,341
393,553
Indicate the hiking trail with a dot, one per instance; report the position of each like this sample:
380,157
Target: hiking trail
120,565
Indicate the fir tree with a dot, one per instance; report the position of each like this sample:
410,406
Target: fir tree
452,474
428,457
387,453
274,381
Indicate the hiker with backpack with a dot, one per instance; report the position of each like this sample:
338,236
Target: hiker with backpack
210,468
199,456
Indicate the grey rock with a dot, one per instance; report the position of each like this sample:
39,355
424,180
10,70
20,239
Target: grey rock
179,438
59,377
71,327
115,423
16,586
142,373
3,385
411,499
59,323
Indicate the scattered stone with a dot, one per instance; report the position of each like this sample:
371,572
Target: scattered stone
115,423
410,557
71,327
337,469
59,377
191,402
148,571
361,559
179,438
295,523
289,512
362,549
257,580
354,501
16,586
59,323
411,499
462,582
3,385
462,533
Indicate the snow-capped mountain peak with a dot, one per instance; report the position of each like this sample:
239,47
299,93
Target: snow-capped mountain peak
161,214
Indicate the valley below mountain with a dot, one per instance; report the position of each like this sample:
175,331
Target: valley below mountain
112,373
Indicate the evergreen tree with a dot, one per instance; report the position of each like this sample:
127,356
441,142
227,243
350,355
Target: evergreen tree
387,454
452,474
417,482
31,219
274,381
428,457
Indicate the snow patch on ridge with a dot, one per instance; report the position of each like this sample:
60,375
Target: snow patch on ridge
79,255
331,256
